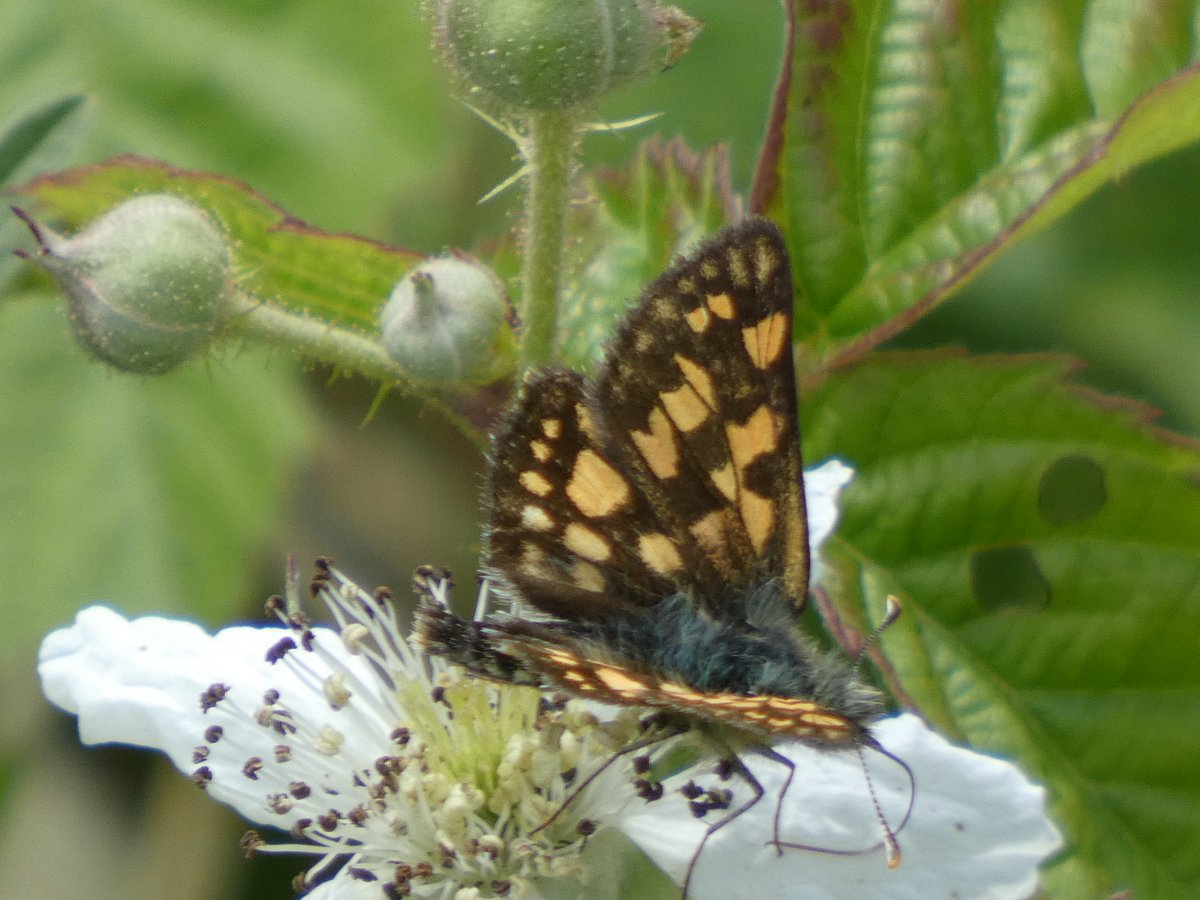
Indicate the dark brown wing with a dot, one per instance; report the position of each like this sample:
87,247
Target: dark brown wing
679,468
700,397
569,531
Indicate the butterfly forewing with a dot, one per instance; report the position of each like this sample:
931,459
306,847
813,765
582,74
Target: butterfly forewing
700,391
679,468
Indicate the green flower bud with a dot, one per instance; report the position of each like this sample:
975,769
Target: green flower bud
552,54
145,282
447,322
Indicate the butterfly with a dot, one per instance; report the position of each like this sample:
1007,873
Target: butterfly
647,525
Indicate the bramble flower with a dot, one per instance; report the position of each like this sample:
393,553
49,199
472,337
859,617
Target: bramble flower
386,766
401,776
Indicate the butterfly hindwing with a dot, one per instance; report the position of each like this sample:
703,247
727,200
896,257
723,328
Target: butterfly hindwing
569,532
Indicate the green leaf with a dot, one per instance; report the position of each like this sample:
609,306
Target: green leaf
38,140
151,494
39,132
1046,543
339,279
664,200
920,140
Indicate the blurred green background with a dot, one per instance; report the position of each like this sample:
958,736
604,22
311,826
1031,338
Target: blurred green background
342,115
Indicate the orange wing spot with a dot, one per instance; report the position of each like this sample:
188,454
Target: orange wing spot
535,483
699,319
541,451
587,542
536,519
792,705
587,423
766,340
758,515
827,721
659,553
766,261
709,532
657,446
586,576
533,562
725,481
738,269
737,702
699,378
552,428
595,487
759,436
573,677
756,714
680,692
620,682
563,658
721,305
685,407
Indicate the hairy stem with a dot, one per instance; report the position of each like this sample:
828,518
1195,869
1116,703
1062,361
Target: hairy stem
346,350
550,153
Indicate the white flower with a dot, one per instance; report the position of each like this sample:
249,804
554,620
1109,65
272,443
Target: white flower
978,827
422,781
403,777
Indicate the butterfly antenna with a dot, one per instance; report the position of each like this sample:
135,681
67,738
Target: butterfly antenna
912,780
890,844
890,615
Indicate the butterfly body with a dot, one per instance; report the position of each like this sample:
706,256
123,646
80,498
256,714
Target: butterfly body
765,680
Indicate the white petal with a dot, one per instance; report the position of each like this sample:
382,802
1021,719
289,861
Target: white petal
346,889
139,682
978,827
822,490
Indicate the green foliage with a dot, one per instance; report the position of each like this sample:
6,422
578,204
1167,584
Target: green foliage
156,494
918,144
663,201
1045,540
40,140
338,278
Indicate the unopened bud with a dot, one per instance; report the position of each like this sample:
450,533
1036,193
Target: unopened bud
145,282
554,54
447,321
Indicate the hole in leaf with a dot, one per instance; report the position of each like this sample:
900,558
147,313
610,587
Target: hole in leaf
1072,490
1006,577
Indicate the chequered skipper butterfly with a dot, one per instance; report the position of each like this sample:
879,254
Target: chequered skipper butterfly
649,525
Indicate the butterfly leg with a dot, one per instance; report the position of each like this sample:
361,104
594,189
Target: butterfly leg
652,738
772,755
889,844
734,765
